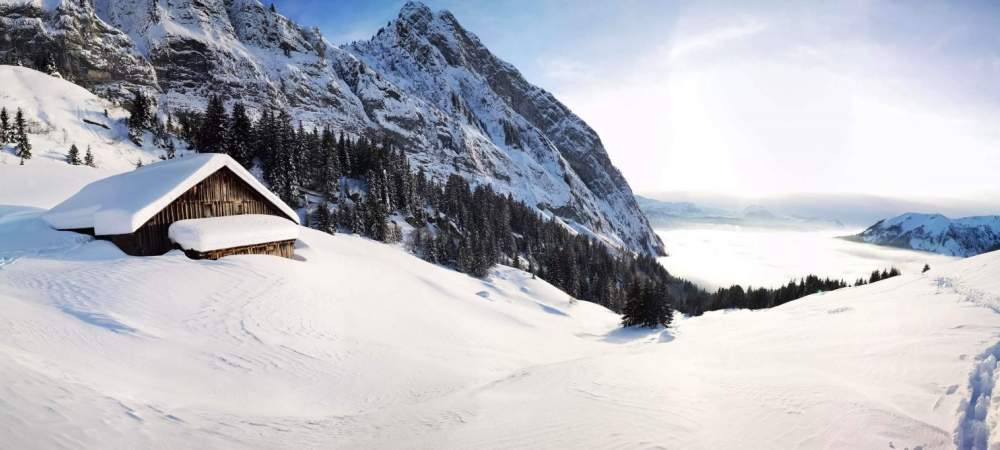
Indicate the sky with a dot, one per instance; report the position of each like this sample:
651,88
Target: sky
755,98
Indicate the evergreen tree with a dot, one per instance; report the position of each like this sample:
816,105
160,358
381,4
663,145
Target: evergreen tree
329,182
171,150
238,136
21,137
212,133
88,158
73,156
283,173
266,143
47,64
633,314
647,306
5,130
139,117
344,156
322,220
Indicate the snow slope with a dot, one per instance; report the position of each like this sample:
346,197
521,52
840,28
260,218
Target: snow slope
360,345
936,233
60,114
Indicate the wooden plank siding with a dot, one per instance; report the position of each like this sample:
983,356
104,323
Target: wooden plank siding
280,248
221,194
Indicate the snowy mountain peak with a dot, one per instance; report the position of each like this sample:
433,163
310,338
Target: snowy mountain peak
415,12
423,81
936,233
911,220
507,122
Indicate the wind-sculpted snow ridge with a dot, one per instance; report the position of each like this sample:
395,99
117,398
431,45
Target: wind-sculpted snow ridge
357,344
936,233
423,81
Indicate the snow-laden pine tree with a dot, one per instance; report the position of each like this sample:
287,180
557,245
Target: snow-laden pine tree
212,136
647,305
4,127
139,116
321,219
73,156
238,136
88,158
21,136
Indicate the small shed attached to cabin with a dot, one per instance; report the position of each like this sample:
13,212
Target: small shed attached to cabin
200,200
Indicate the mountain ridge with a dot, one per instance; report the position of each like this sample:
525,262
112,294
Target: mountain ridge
485,122
967,236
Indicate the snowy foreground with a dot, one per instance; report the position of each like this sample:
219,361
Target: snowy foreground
360,345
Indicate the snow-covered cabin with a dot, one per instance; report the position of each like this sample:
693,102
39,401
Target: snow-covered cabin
207,205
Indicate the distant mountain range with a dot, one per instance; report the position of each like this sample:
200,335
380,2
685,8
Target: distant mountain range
936,233
664,214
853,210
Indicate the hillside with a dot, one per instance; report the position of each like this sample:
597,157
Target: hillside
424,82
60,114
102,350
936,233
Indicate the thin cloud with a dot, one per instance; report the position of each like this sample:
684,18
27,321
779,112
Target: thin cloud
715,38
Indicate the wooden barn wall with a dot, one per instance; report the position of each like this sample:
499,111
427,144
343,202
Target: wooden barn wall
279,248
221,194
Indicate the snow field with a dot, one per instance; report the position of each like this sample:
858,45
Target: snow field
359,345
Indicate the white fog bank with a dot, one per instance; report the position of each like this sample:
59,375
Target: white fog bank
714,256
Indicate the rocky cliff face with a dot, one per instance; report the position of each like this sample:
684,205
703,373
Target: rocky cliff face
508,122
936,233
70,38
424,80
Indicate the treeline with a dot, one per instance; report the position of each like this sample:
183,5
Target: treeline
759,298
16,133
879,276
74,159
366,185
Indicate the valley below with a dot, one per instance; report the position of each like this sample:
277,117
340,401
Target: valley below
714,256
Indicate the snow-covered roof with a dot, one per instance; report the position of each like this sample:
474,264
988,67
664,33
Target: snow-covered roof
215,233
122,203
